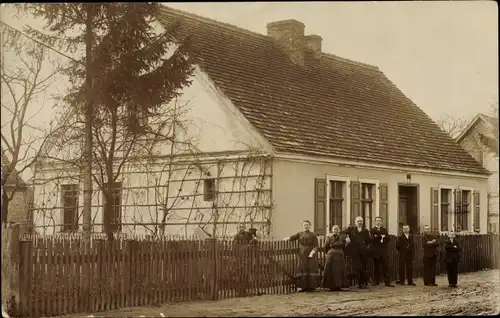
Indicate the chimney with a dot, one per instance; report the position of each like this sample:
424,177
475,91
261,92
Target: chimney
313,43
290,34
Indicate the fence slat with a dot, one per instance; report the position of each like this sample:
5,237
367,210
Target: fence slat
67,275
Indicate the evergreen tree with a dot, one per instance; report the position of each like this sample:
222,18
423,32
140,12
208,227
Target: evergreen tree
132,80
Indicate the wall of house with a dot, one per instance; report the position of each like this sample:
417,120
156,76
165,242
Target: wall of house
488,159
243,190
294,192
19,208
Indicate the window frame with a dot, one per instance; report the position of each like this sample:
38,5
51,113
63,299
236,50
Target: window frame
73,227
346,204
376,198
451,216
470,216
209,196
118,226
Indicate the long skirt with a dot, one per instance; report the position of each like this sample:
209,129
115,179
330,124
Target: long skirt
334,275
308,274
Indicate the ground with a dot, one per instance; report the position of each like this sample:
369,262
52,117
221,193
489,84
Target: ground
477,294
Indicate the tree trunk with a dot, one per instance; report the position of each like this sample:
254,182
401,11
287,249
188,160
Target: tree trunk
5,207
108,213
87,181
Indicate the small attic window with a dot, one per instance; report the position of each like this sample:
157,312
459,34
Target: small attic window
209,189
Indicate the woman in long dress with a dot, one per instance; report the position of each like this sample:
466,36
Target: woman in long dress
308,274
334,276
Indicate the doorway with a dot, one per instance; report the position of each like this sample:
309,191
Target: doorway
408,208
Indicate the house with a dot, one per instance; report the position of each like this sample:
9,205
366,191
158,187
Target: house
20,197
480,140
286,133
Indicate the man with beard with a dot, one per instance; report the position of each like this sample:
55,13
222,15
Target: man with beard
358,238
380,239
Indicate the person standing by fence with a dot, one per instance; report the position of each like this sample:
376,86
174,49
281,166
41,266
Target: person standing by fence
405,247
380,253
242,240
334,275
430,244
359,239
452,258
308,273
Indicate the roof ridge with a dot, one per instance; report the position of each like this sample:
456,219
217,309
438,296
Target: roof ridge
214,21
349,61
260,35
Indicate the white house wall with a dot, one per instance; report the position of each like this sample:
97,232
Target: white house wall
243,187
294,193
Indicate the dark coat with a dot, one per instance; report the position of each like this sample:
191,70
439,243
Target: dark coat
360,240
405,246
243,237
430,249
379,246
453,251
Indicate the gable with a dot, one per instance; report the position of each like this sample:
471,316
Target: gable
329,106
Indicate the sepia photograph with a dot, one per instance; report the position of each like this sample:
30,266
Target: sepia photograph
249,159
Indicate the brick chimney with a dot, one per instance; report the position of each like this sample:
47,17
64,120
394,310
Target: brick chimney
290,34
313,43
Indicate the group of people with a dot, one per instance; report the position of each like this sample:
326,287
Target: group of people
362,245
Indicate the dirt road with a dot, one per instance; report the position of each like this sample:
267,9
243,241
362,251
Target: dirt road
477,293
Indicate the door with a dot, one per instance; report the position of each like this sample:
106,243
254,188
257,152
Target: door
402,212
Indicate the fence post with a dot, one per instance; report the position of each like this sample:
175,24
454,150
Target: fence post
214,260
10,267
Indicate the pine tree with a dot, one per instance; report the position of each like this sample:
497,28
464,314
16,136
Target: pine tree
133,80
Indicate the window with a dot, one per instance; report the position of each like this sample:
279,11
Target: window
445,208
209,189
367,190
462,210
116,208
336,203
69,197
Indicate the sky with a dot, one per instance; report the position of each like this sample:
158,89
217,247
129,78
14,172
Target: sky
442,55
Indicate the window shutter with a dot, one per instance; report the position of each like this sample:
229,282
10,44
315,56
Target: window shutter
435,209
383,205
355,200
458,209
477,216
320,206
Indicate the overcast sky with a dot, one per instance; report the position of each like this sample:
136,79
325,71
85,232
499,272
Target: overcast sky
442,55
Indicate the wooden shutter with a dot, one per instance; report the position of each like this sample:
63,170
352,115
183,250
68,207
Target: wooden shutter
320,206
383,205
477,215
458,210
355,200
435,209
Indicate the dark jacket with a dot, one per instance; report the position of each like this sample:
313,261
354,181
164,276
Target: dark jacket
405,246
430,249
453,251
360,240
379,246
243,237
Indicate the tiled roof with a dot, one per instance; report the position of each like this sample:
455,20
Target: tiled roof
330,107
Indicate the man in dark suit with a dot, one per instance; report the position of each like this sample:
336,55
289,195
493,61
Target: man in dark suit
405,246
452,258
359,241
430,244
380,239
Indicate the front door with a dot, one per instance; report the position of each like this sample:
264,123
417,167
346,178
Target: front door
402,212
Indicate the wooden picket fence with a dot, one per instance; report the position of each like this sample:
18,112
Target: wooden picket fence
59,276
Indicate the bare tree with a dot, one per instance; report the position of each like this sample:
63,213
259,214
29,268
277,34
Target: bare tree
25,80
453,126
